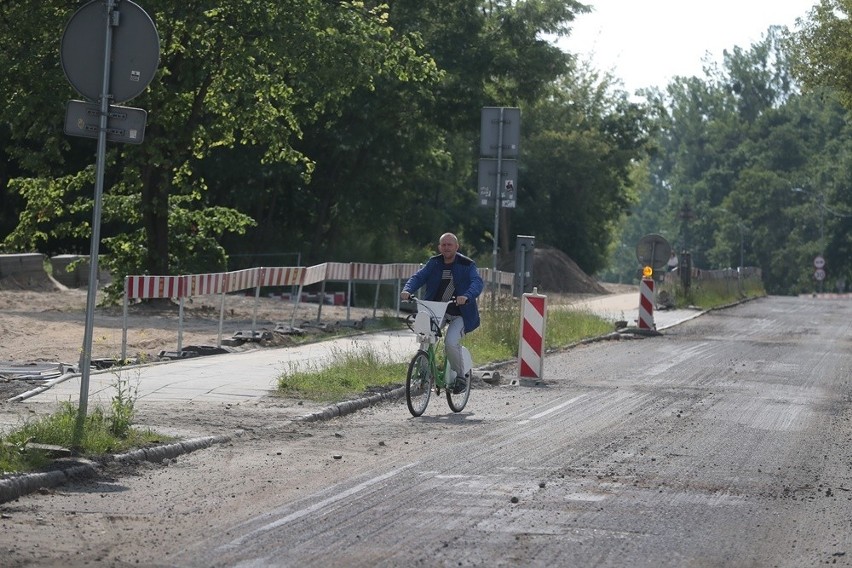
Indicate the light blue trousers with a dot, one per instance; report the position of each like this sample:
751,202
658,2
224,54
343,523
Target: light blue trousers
452,336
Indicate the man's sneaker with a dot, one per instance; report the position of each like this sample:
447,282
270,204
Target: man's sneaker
459,385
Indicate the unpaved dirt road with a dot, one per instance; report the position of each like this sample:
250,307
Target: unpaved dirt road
726,442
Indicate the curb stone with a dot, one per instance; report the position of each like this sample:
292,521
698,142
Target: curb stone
350,406
26,483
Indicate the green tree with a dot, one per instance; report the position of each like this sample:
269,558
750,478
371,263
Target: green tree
758,164
395,166
231,73
822,48
586,138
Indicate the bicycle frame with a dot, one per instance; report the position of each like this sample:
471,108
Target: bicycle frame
427,326
440,372
424,373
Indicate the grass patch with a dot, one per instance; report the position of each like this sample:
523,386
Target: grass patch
565,327
102,432
351,372
714,293
498,337
498,333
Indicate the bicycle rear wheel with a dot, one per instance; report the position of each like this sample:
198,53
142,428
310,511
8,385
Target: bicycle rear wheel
418,383
458,400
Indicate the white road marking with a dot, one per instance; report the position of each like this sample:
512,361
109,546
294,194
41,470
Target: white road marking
554,409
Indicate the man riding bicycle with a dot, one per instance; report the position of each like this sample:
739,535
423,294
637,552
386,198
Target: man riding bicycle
446,276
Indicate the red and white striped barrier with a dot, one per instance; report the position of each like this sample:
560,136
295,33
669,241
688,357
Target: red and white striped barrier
144,287
314,275
338,271
241,280
281,276
362,271
531,348
407,270
646,304
205,284
147,287
151,287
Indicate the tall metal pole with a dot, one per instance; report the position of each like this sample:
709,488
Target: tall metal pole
111,20
498,198
821,230
742,246
740,270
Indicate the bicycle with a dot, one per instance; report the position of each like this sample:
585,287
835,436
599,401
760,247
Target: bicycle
424,370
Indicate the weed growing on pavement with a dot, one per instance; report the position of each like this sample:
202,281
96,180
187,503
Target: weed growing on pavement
123,405
16,457
58,429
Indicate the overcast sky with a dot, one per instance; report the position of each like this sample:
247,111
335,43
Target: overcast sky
647,42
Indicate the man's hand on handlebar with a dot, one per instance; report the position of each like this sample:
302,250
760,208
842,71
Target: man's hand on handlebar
458,300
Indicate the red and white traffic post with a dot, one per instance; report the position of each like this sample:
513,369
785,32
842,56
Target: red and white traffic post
646,300
531,348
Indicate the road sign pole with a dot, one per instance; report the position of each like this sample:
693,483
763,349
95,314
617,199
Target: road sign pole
500,125
498,198
91,298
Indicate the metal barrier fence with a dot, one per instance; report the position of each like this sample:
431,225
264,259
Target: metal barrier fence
731,274
729,277
144,287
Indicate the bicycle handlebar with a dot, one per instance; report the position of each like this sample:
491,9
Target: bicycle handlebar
415,299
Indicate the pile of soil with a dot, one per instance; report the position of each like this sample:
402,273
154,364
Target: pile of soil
555,272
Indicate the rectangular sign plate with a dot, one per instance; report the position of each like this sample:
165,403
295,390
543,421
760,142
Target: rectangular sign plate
124,124
487,182
490,132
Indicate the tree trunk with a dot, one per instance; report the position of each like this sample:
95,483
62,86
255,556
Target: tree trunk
155,221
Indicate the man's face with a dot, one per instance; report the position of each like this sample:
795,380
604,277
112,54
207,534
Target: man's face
448,248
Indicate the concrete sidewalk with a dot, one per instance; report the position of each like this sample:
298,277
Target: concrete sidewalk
236,377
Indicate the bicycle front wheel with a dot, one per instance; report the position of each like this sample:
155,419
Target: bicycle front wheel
418,383
458,400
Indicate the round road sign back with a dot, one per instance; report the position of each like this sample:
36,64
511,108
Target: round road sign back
135,51
654,251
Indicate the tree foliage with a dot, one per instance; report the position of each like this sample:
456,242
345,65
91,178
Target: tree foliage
233,73
585,140
822,48
748,165
342,130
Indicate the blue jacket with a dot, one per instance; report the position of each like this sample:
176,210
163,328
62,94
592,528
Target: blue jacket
467,281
